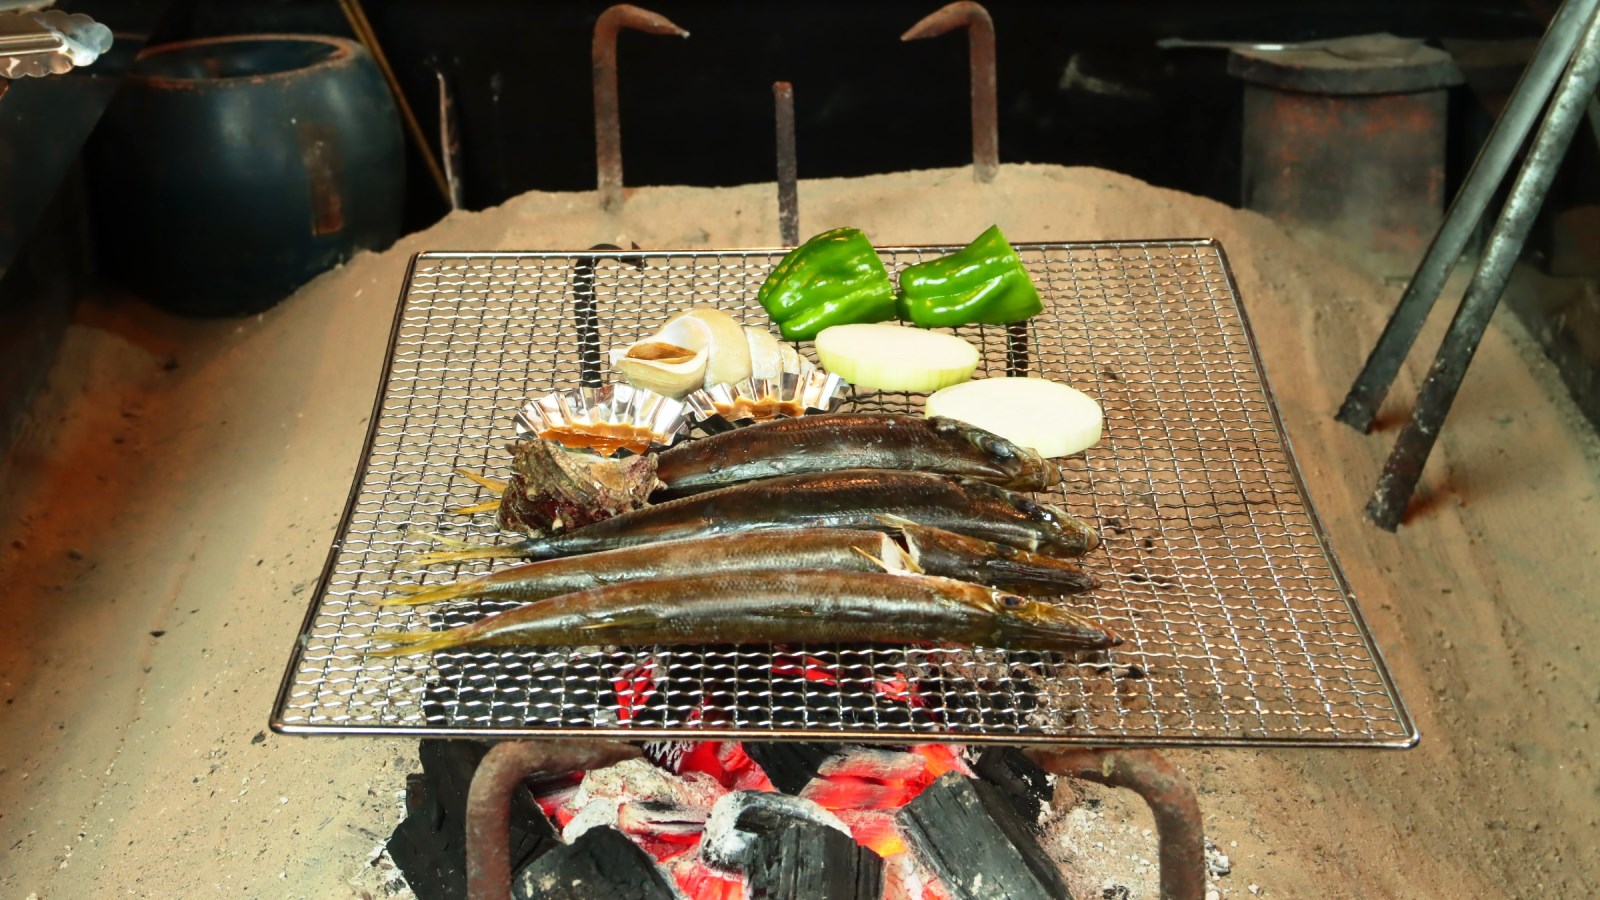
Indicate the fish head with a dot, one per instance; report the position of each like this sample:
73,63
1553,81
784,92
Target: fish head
1023,468
1025,622
1054,531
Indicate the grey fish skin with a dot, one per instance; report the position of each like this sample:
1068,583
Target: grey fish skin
850,498
774,607
833,441
776,549
951,555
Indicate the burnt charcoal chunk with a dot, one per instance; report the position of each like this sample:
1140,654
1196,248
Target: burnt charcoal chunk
739,818
1024,783
808,861
429,846
972,838
602,863
789,765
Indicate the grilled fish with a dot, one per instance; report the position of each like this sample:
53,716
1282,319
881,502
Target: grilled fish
927,550
828,442
850,498
774,607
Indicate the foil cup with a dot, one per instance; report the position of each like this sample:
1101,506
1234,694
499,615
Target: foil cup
603,420
790,395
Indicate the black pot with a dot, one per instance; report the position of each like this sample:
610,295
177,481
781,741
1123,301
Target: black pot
232,170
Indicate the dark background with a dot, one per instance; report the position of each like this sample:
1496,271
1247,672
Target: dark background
699,111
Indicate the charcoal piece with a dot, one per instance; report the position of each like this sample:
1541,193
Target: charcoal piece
970,836
790,765
808,861
1024,783
601,863
739,818
429,845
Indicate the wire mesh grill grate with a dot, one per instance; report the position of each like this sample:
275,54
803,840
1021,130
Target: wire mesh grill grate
1238,626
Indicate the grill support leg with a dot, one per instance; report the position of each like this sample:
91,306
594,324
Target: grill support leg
1488,171
1171,799
489,801
1412,448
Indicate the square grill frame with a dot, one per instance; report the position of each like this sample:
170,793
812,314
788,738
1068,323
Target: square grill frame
1240,628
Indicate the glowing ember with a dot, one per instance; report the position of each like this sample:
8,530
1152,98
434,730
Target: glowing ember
663,805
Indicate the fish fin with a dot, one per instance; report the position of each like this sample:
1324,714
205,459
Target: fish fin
418,594
406,643
880,563
438,538
895,561
488,551
893,520
493,484
907,560
486,506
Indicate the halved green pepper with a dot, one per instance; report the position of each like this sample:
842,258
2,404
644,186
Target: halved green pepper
983,283
835,278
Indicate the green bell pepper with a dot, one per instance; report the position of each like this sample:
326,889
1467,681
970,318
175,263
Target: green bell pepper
835,278
983,283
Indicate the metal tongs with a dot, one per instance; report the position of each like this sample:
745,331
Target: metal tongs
49,42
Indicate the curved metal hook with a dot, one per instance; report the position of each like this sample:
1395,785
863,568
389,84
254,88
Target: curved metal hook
981,57
607,119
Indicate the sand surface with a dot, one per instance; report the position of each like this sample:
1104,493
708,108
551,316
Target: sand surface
173,498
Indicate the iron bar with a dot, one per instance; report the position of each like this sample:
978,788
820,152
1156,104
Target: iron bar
788,166
450,140
981,58
1177,813
1461,220
357,17
489,801
607,117
586,310
1438,392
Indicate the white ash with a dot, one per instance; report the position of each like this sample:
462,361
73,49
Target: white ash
725,843
668,754
659,818
597,812
879,765
1217,862
640,779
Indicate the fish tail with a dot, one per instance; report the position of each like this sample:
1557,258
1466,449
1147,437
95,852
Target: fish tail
486,506
418,594
459,550
493,484
438,538
408,643
488,551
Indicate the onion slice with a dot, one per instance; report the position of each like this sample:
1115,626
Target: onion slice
896,358
1046,416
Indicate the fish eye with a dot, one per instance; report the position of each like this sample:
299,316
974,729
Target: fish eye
1012,601
999,449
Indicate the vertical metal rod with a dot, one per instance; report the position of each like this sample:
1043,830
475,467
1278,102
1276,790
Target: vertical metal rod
1177,813
489,801
1461,220
586,310
357,17
607,118
1550,143
449,140
981,59
788,166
